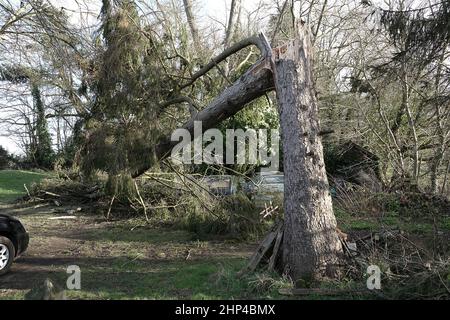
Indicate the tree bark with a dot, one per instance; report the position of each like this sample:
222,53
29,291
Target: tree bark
311,245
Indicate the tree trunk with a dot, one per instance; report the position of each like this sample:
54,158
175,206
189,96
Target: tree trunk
232,21
192,22
231,29
440,119
311,246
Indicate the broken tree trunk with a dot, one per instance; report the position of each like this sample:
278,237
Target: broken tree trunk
311,246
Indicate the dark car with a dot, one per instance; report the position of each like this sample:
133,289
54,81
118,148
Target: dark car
13,241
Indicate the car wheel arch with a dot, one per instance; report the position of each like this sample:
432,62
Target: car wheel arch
12,239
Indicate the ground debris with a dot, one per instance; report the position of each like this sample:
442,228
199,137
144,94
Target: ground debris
268,250
59,192
64,218
409,269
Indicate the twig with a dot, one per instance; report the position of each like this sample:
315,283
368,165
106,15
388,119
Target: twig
28,192
52,194
141,200
443,282
110,206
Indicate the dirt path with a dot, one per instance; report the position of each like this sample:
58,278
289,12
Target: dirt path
121,259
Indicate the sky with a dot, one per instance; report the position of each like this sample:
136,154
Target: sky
209,12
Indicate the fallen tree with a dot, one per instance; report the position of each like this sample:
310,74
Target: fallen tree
311,247
256,82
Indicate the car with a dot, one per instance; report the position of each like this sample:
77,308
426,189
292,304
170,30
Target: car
14,241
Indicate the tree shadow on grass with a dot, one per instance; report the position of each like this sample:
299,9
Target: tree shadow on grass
141,235
125,278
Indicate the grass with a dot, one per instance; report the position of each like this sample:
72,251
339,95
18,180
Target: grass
419,225
168,280
12,183
127,259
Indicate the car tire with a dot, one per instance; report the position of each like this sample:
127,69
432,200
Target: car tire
7,254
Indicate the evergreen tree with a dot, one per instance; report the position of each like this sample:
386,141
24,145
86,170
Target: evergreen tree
43,153
5,158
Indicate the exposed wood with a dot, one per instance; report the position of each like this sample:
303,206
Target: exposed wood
268,211
28,191
320,19
263,248
276,248
279,20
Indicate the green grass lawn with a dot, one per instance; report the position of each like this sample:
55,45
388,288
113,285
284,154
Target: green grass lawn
12,181
119,260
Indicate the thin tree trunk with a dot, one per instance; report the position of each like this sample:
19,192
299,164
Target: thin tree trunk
232,21
192,22
440,121
311,245
412,126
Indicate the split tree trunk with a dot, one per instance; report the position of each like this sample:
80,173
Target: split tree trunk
311,246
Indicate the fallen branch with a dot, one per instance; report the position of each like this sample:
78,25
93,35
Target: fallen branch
276,248
256,82
64,218
144,206
256,40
